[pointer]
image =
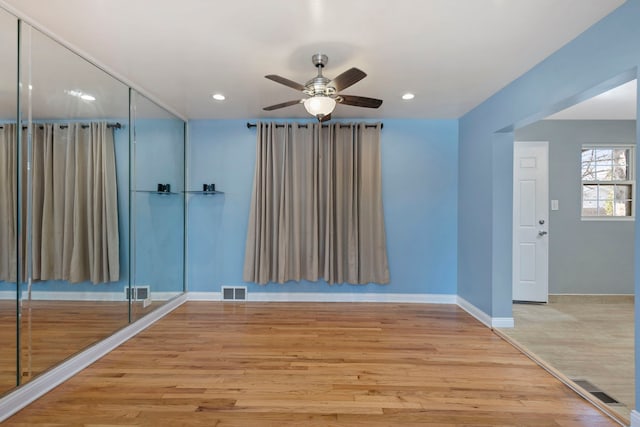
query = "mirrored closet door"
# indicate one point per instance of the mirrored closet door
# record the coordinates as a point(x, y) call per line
point(157, 211)
point(8, 201)
point(75, 203)
point(91, 204)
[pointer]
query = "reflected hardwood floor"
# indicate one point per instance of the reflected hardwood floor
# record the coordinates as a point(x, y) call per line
point(8, 352)
point(585, 338)
point(52, 331)
point(313, 364)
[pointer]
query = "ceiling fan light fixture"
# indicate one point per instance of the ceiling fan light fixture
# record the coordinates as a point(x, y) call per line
point(319, 105)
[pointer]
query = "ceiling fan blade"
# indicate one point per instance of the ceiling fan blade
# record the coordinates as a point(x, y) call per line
point(283, 104)
point(278, 79)
point(348, 78)
point(325, 118)
point(359, 101)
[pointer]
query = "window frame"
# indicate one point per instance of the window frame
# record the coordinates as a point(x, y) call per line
point(630, 181)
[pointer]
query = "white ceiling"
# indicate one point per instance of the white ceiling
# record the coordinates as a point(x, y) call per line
point(453, 54)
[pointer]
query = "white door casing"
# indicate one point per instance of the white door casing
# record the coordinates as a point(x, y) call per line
point(531, 222)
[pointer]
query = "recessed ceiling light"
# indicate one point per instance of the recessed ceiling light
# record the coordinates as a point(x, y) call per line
point(81, 95)
point(408, 96)
point(218, 97)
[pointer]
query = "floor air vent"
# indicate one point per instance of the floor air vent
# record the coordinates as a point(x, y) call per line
point(139, 293)
point(596, 392)
point(234, 293)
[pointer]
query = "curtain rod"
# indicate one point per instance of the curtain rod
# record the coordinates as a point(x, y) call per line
point(84, 126)
point(252, 125)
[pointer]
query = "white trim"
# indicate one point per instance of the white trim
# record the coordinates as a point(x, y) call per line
point(635, 418)
point(608, 218)
point(83, 296)
point(204, 296)
point(7, 295)
point(330, 297)
point(502, 322)
point(351, 297)
point(484, 318)
point(474, 311)
point(24, 395)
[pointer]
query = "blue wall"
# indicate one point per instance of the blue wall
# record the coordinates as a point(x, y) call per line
point(605, 55)
point(159, 226)
point(419, 174)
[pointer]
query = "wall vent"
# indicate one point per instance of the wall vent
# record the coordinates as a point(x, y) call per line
point(234, 293)
point(138, 293)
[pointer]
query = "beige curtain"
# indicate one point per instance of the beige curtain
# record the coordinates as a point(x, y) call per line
point(316, 208)
point(8, 202)
point(74, 204)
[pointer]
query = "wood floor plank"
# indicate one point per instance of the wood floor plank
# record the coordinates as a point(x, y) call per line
point(311, 364)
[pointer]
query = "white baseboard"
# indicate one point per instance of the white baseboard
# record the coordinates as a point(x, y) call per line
point(474, 311)
point(204, 296)
point(24, 395)
point(491, 322)
point(331, 297)
point(82, 296)
point(7, 295)
point(502, 322)
point(635, 418)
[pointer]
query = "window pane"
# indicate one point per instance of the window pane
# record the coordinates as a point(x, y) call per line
point(605, 208)
point(588, 155)
point(623, 208)
point(589, 208)
point(603, 155)
point(620, 157)
point(589, 192)
point(620, 173)
point(588, 171)
point(605, 192)
point(623, 192)
point(603, 172)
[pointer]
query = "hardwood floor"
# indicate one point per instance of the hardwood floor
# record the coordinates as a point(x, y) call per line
point(587, 338)
point(311, 364)
point(52, 331)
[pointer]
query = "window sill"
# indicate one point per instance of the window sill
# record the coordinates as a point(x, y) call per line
point(608, 218)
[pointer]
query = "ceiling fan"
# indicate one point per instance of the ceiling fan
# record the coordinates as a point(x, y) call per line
point(323, 92)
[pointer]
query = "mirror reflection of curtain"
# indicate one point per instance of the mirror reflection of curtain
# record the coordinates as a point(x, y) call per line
point(8, 202)
point(316, 208)
point(74, 204)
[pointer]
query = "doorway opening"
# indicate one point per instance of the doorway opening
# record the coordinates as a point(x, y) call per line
point(582, 325)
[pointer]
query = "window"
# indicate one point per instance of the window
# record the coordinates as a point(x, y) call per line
point(608, 181)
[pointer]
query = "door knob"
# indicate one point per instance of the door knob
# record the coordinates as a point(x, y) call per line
point(542, 233)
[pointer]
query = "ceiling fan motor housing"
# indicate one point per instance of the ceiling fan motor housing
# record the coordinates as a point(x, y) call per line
point(319, 86)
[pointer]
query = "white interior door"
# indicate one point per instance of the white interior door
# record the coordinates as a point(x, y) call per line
point(531, 222)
